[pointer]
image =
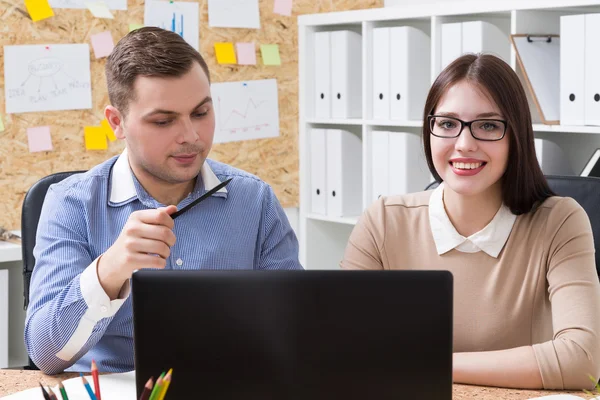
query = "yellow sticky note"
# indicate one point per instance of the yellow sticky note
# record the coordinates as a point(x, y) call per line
point(108, 130)
point(133, 27)
point(225, 53)
point(1, 125)
point(95, 138)
point(39, 9)
point(270, 54)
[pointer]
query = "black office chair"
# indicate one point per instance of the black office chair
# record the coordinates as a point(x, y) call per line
point(30, 215)
point(585, 190)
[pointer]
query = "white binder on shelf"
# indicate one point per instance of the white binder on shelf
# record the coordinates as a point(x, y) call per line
point(318, 168)
point(346, 74)
point(3, 318)
point(380, 166)
point(408, 167)
point(485, 37)
point(551, 158)
point(592, 71)
point(322, 75)
point(381, 73)
point(409, 81)
point(572, 70)
point(344, 174)
point(539, 59)
point(451, 42)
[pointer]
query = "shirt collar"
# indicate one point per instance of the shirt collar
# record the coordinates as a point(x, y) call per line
point(490, 239)
point(123, 186)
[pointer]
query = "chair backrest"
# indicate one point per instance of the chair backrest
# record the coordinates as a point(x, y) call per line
point(585, 190)
point(30, 215)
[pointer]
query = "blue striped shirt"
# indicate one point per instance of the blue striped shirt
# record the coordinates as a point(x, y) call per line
point(70, 319)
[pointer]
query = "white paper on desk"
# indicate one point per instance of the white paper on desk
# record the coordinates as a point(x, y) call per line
point(112, 387)
point(111, 4)
point(245, 110)
point(47, 77)
point(561, 397)
point(233, 14)
point(179, 17)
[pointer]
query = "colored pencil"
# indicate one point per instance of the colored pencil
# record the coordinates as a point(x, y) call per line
point(46, 395)
point(63, 391)
point(166, 383)
point(52, 394)
point(96, 380)
point(157, 387)
point(88, 387)
point(147, 389)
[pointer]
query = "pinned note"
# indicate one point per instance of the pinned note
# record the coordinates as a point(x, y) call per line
point(225, 53)
point(283, 7)
point(103, 44)
point(246, 53)
point(108, 130)
point(234, 14)
point(39, 139)
point(39, 9)
point(99, 9)
point(133, 27)
point(270, 54)
point(1, 125)
point(95, 138)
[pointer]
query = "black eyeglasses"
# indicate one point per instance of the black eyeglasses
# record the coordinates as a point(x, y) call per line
point(489, 130)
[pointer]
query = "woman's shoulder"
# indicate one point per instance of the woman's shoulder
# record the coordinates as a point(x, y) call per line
point(555, 210)
point(410, 200)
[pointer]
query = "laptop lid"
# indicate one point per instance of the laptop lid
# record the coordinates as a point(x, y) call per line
point(317, 335)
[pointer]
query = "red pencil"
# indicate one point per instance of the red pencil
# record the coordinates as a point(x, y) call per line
point(147, 390)
point(96, 380)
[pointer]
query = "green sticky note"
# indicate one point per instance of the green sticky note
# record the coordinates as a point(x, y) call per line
point(133, 27)
point(1, 125)
point(270, 54)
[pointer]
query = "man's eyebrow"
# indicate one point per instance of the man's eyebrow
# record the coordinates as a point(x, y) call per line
point(207, 99)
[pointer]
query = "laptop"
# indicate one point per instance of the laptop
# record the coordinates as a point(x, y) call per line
point(305, 335)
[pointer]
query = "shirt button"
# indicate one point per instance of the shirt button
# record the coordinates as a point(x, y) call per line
point(104, 309)
point(179, 262)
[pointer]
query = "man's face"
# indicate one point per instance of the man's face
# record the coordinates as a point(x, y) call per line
point(170, 126)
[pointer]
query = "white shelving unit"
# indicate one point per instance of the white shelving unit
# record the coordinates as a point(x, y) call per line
point(324, 238)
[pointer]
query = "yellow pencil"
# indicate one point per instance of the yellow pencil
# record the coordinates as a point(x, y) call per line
point(166, 383)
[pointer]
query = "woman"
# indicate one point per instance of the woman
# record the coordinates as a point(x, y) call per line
point(526, 292)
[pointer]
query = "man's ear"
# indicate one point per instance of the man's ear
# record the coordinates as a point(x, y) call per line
point(115, 120)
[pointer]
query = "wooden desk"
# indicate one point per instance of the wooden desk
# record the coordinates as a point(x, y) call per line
point(12, 381)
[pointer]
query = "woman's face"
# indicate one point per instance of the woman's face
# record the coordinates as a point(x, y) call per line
point(469, 166)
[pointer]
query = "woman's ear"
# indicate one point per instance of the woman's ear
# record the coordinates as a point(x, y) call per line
point(115, 120)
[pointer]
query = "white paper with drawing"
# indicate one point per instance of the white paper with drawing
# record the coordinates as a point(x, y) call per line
point(47, 77)
point(234, 14)
point(111, 4)
point(179, 17)
point(245, 110)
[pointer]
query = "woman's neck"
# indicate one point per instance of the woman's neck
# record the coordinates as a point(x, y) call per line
point(470, 214)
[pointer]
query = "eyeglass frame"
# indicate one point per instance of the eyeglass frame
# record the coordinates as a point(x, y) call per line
point(467, 124)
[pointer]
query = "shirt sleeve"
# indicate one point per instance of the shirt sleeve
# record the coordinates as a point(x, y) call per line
point(571, 360)
point(365, 246)
point(279, 245)
point(68, 310)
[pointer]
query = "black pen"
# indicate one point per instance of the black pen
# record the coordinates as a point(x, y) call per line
point(201, 198)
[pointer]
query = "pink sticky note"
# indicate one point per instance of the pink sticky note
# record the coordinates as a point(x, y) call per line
point(39, 139)
point(246, 53)
point(283, 7)
point(103, 44)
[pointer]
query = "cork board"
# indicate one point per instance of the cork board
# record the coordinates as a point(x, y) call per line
point(273, 160)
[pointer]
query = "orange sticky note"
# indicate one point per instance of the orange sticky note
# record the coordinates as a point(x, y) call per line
point(108, 130)
point(225, 53)
point(39, 9)
point(95, 138)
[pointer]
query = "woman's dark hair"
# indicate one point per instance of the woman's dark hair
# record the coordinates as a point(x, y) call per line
point(523, 183)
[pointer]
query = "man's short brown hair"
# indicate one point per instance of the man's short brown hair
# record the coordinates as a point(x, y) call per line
point(147, 51)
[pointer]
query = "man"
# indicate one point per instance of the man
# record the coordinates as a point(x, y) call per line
point(98, 227)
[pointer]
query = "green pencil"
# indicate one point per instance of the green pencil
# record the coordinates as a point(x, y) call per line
point(63, 392)
point(157, 387)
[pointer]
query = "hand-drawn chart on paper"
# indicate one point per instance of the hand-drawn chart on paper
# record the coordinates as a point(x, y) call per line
point(245, 110)
point(47, 77)
point(179, 17)
point(111, 4)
